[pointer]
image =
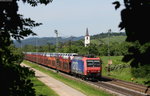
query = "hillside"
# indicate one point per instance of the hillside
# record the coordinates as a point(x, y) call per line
point(105, 35)
point(118, 39)
point(97, 39)
point(44, 40)
point(103, 38)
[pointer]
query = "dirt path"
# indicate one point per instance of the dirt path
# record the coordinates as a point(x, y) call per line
point(59, 87)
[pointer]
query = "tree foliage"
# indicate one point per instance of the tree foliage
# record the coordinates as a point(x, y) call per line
point(99, 49)
point(14, 78)
point(15, 81)
point(135, 19)
point(104, 35)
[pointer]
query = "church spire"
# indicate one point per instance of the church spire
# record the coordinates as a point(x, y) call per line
point(87, 32)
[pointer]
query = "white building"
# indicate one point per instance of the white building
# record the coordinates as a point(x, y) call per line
point(87, 38)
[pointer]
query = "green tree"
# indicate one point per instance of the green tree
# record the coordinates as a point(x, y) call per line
point(102, 50)
point(78, 43)
point(83, 50)
point(135, 19)
point(15, 79)
point(92, 49)
point(29, 48)
point(115, 49)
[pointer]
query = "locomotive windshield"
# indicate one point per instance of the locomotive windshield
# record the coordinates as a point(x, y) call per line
point(93, 63)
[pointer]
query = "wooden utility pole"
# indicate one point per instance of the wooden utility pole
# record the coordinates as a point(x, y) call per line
point(109, 61)
point(109, 43)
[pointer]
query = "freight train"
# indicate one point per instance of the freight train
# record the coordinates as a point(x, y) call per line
point(86, 67)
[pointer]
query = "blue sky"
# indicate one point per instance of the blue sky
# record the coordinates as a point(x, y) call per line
point(72, 17)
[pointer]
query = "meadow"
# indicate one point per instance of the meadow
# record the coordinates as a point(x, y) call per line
point(119, 69)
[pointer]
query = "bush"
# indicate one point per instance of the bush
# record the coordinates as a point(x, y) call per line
point(15, 81)
point(142, 72)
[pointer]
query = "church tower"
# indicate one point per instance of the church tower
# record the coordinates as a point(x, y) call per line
point(87, 38)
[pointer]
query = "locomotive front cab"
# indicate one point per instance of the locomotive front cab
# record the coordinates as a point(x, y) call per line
point(93, 68)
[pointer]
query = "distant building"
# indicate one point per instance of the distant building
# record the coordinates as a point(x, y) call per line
point(87, 38)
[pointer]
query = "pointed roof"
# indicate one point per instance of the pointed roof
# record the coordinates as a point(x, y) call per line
point(87, 32)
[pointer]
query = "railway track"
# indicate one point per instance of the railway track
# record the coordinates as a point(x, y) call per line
point(121, 88)
point(118, 87)
point(129, 85)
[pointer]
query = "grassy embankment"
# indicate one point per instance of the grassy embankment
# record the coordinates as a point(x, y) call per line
point(118, 39)
point(83, 87)
point(41, 89)
point(123, 73)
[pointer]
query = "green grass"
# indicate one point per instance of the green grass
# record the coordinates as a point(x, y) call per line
point(81, 86)
point(115, 39)
point(122, 74)
point(118, 39)
point(41, 89)
point(115, 60)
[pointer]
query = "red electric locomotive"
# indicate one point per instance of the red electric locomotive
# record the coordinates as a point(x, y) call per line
point(86, 67)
